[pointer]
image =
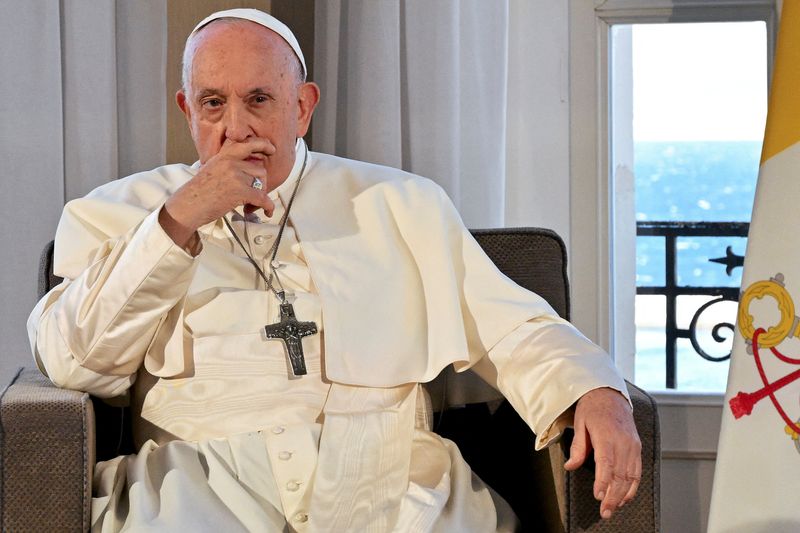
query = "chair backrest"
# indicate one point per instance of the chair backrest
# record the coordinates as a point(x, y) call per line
point(47, 280)
point(535, 258)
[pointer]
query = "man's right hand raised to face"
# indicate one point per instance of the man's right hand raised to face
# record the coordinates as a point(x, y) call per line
point(223, 183)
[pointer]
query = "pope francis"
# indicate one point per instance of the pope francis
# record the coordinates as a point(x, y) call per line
point(273, 311)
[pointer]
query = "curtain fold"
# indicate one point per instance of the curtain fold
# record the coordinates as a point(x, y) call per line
point(89, 81)
point(141, 44)
point(537, 152)
point(472, 94)
point(422, 86)
point(83, 103)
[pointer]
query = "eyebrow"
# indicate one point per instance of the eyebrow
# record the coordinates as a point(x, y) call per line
point(207, 92)
point(211, 92)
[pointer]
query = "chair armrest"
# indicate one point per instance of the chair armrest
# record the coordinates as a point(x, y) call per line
point(47, 453)
point(580, 512)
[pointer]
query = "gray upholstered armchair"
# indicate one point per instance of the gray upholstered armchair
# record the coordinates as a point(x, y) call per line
point(50, 438)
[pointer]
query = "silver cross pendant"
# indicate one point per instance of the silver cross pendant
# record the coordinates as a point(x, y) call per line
point(291, 331)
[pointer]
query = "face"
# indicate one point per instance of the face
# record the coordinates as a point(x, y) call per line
point(244, 84)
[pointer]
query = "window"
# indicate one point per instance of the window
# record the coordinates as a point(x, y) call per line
point(688, 106)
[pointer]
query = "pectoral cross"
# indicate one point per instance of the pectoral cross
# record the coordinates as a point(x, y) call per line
point(291, 331)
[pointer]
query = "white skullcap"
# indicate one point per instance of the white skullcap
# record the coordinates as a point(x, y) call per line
point(259, 17)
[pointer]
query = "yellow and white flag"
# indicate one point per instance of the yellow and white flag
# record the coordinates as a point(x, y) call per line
point(757, 476)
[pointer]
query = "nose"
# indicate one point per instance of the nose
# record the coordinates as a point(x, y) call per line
point(237, 127)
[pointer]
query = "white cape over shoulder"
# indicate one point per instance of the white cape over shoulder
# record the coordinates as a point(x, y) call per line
point(388, 254)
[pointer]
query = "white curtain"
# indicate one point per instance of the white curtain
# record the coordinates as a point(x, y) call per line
point(82, 85)
point(470, 93)
point(418, 85)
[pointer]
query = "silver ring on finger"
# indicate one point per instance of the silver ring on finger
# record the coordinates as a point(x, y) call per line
point(257, 184)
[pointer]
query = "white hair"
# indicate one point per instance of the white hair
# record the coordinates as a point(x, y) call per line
point(191, 47)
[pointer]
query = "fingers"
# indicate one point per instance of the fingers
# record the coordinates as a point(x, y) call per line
point(610, 487)
point(250, 146)
point(619, 470)
point(631, 492)
point(610, 430)
point(245, 172)
point(225, 182)
point(635, 473)
point(253, 169)
point(619, 483)
point(616, 481)
point(603, 486)
point(255, 198)
point(580, 447)
point(258, 199)
point(221, 185)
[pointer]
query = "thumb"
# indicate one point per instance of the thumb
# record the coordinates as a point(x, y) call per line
point(580, 448)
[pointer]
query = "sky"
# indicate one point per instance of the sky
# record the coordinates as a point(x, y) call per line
point(699, 81)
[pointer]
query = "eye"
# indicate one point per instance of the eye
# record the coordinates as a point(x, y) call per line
point(212, 103)
point(261, 99)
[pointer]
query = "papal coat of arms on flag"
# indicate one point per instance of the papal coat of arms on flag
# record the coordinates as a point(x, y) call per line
point(757, 474)
point(763, 342)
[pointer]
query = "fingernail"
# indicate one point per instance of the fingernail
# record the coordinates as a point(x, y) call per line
point(600, 495)
point(606, 513)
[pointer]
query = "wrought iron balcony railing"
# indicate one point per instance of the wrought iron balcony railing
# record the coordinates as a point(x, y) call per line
point(671, 232)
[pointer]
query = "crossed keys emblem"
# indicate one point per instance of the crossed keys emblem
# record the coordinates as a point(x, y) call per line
point(759, 338)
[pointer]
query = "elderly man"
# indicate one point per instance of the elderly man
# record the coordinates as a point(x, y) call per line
point(273, 311)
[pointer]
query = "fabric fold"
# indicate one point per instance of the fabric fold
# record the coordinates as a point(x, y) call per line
point(405, 241)
point(364, 457)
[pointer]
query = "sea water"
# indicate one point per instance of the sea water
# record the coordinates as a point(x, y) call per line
point(689, 181)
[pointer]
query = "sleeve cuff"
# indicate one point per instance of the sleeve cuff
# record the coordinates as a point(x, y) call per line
point(544, 367)
point(567, 419)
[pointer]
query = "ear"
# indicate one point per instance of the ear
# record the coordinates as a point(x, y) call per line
point(307, 99)
point(183, 103)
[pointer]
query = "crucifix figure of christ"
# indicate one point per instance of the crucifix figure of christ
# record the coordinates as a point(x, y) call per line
point(291, 331)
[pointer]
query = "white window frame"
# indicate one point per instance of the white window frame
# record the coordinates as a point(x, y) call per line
point(602, 270)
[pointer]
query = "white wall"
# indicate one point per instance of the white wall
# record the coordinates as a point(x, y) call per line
point(690, 428)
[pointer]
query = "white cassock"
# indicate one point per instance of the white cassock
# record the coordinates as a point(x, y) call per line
point(227, 440)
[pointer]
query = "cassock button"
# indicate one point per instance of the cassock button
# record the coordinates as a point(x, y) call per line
point(259, 239)
point(285, 456)
point(301, 517)
point(292, 486)
point(278, 430)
